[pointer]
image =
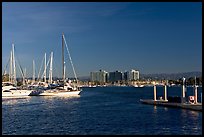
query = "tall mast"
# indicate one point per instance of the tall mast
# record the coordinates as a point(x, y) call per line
point(45, 69)
point(70, 60)
point(63, 74)
point(14, 65)
point(33, 71)
point(50, 72)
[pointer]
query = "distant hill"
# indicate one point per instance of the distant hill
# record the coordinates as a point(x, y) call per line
point(172, 76)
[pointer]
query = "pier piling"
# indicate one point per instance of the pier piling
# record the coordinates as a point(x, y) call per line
point(155, 93)
point(183, 92)
point(196, 94)
point(165, 93)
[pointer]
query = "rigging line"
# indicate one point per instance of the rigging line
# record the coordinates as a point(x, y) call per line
point(18, 61)
point(40, 68)
point(21, 70)
point(70, 59)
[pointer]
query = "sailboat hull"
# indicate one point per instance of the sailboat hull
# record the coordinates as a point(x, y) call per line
point(59, 93)
point(15, 93)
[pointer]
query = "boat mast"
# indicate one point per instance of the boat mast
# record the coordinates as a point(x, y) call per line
point(14, 65)
point(50, 72)
point(70, 59)
point(63, 69)
point(33, 71)
point(45, 69)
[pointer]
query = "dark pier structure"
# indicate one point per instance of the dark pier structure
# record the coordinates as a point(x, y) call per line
point(178, 102)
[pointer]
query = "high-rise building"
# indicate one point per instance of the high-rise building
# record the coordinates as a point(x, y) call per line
point(133, 75)
point(125, 76)
point(115, 76)
point(98, 76)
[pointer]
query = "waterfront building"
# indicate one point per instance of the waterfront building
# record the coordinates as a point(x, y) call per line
point(99, 76)
point(115, 76)
point(125, 76)
point(133, 75)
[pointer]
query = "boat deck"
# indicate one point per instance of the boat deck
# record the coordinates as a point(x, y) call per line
point(196, 107)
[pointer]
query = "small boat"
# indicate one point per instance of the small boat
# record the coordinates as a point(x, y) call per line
point(9, 91)
point(138, 86)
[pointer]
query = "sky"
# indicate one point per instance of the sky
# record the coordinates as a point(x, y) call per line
point(152, 37)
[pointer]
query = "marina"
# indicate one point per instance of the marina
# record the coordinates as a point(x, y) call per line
point(102, 68)
point(38, 88)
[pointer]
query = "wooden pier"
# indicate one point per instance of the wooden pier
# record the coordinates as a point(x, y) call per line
point(196, 107)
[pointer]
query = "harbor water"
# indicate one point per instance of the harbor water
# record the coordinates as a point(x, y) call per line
point(100, 111)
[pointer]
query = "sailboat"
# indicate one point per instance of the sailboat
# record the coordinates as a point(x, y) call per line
point(9, 88)
point(64, 88)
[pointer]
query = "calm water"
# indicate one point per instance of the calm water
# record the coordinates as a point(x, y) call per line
point(100, 111)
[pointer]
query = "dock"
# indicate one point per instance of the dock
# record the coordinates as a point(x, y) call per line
point(180, 102)
point(196, 107)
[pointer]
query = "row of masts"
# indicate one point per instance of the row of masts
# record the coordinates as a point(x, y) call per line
point(45, 68)
point(12, 71)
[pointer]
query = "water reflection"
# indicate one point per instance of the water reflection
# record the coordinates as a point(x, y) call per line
point(13, 101)
point(155, 109)
point(165, 108)
point(190, 114)
point(59, 97)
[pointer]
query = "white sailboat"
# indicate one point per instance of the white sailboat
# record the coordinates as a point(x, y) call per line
point(65, 88)
point(9, 89)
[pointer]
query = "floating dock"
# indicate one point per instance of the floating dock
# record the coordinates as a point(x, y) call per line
point(192, 104)
point(196, 107)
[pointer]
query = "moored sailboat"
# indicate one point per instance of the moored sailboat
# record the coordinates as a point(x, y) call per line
point(9, 88)
point(64, 88)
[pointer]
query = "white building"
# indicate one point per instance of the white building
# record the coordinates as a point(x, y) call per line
point(133, 75)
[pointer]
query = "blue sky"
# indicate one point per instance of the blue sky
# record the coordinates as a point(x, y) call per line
point(158, 37)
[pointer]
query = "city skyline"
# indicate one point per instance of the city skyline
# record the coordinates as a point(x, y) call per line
point(152, 37)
